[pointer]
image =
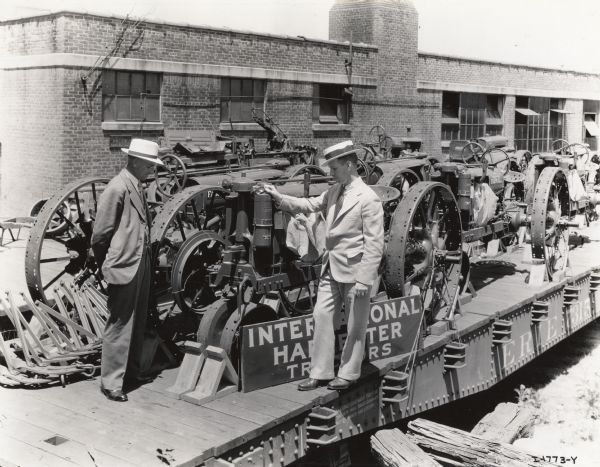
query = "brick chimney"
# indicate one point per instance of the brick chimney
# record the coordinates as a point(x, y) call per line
point(391, 25)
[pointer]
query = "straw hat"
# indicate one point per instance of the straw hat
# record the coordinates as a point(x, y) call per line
point(143, 149)
point(338, 150)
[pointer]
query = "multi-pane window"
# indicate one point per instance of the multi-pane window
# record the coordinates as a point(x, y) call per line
point(538, 122)
point(239, 96)
point(330, 104)
point(467, 116)
point(472, 116)
point(130, 96)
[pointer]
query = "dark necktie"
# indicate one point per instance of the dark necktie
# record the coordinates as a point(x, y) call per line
point(340, 201)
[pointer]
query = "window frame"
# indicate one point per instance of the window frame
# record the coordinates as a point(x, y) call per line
point(237, 108)
point(324, 111)
point(119, 86)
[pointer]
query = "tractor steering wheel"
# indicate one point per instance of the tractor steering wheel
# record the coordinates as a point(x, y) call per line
point(472, 151)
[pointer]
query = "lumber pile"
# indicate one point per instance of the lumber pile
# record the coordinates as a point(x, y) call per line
point(44, 345)
point(454, 447)
point(392, 448)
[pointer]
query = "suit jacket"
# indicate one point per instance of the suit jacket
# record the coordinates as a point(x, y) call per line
point(119, 229)
point(354, 238)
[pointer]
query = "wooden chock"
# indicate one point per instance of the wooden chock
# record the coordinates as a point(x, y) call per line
point(217, 377)
point(189, 371)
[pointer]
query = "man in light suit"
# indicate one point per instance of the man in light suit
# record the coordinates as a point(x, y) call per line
point(353, 250)
point(121, 246)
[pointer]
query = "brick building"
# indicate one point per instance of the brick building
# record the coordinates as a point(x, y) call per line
point(76, 87)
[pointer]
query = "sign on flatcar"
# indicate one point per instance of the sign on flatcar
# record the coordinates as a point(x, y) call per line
point(279, 351)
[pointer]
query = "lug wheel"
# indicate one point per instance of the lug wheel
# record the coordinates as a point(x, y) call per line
point(424, 247)
point(196, 209)
point(549, 221)
point(252, 313)
point(55, 252)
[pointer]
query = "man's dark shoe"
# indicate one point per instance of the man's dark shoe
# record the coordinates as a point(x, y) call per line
point(339, 384)
point(115, 395)
point(310, 384)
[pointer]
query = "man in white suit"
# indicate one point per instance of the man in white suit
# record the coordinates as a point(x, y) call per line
point(121, 245)
point(353, 250)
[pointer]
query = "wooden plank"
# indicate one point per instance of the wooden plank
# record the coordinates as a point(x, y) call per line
point(289, 391)
point(506, 423)
point(89, 401)
point(456, 447)
point(394, 449)
point(71, 452)
point(237, 409)
point(137, 446)
point(14, 452)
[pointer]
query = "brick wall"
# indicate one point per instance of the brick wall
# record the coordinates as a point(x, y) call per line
point(31, 135)
point(51, 124)
point(435, 68)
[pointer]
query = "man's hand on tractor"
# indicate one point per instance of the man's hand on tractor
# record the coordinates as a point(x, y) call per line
point(271, 190)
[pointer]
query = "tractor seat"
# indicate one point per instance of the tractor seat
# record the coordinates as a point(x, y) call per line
point(514, 177)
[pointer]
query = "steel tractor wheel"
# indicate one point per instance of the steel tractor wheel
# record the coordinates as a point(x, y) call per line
point(58, 247)
point(187, 226)
point(222, 322)
point(550, 221)
point(424, 248)
point(197, 256)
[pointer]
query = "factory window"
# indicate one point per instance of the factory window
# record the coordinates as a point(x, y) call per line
point(538, 122)
point(330, 104)
point(450, 111)
point(130, 96)
point(468, 116)
point(239, 96)
point(472, 115)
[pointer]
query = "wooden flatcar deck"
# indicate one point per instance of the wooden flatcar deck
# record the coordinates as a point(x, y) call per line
point(76, 425)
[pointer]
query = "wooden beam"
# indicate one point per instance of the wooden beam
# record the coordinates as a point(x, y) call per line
point(506, 423)
point(392, 448)
point(451, 446)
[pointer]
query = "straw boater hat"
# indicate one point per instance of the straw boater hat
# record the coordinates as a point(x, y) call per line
point(338, 150)
point(143, 149)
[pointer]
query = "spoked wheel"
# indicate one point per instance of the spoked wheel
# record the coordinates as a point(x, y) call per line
point(364, 171)
point(251, 313)
point(497, 159)
point(172, 178)
point(378, 137)
point(549, 221)
point(198, 255)
point(54, 254)
point(472, 152)
point(425, 247)
point(195, 209)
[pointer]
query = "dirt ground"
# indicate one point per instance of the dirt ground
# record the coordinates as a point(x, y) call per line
point(569, 415)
